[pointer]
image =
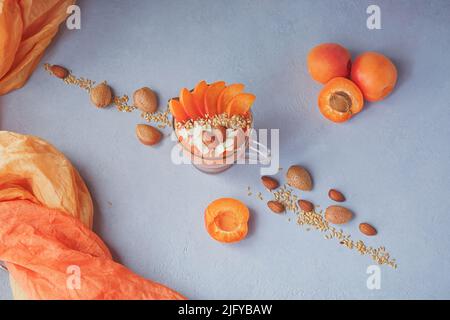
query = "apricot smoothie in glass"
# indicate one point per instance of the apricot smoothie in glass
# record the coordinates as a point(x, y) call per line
point(212, 124)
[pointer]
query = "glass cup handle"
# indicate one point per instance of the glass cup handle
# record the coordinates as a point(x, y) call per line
point(258, 153)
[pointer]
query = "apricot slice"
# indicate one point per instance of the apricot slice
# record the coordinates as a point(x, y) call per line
point(226, 220)
point(229, 93)
point(340, 99)
point(327, 61)
point(212, 96)
point(240, 104)
point(375, 75)
point(187, 101)
point(177, 110)
point(199, 97)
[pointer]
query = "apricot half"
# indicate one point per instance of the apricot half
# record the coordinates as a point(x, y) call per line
point(375, 75)
point(226, 220)
point(327, 61)
point(340, 99)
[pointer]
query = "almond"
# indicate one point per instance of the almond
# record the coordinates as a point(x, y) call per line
point(276, 206)
point(367, 229)
point(59, 72)
point(212, 138)
point(336, 195)
point(298, 177)
point(208, 138)
point(145, 100)
point(220, 133)
point(306, 205)
point(269, 182)
point(148, 135)
point(338, 215)
point(101, 95)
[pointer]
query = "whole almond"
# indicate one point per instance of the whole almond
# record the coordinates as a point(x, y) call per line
point(269, 182)
point(276, 206)
point(338, 215)
point(367, 229)
point(306, 205)
point(220, 132)
point(298, 177)
point(336, 195)
point(59, 72)
point(148, 135)
point(145, 99)
point(101, 95)
point(209, 139)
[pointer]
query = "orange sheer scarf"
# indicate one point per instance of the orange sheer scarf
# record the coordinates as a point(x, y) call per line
point(26, 29)
point(45, 219)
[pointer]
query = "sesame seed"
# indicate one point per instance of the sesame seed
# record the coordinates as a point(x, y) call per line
point(316, 220)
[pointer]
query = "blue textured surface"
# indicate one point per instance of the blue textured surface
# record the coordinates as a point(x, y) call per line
point(392, 160)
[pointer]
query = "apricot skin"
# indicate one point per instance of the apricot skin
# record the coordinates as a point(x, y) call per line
point(327, 61)
point(375, 75)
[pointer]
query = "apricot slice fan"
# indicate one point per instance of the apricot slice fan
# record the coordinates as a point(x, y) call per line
point(206, 102)
point(340, 99)
point(226, 220)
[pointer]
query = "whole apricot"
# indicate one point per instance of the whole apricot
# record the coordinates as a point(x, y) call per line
point(327, 61)
point(375, 75)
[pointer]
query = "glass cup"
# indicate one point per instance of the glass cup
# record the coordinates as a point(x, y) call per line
point(219, 152)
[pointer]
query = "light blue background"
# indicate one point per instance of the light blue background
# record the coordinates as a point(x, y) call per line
point(392, 160)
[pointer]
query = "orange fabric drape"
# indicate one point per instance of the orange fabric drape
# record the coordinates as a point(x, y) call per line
point(45, 219)
point(26, 29)
point(42, 246)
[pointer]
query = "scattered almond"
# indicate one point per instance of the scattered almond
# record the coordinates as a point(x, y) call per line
point(220, 133)
point(276, 206)
point(59, 72)
point(101, 95)
point(212, 138)
point(145, 100)
point(336, 195)
point(208, 138)
point(269, 182)
point(306, 205)
point(298, 177)
point(367, 229)
point(148, 135)
point(338, 215)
